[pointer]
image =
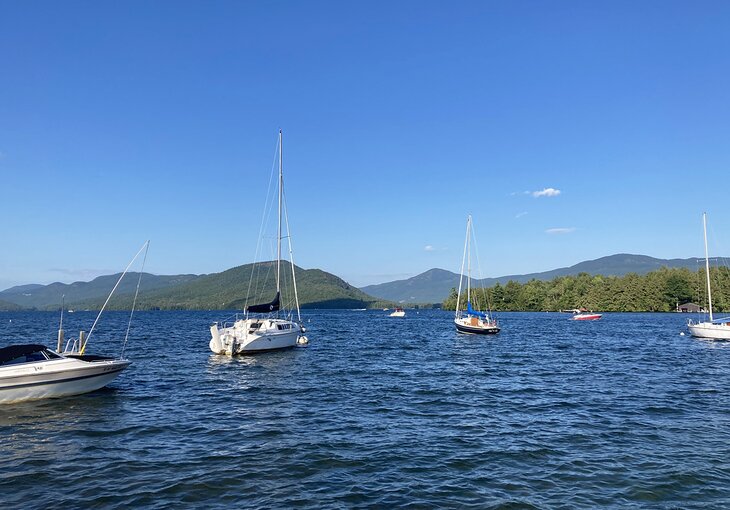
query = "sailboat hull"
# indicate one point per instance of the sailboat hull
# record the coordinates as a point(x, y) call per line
point(710, 330)
point(481, 328)
point(252, 336)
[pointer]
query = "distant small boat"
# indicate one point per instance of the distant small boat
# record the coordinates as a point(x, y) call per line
point(584, 315)
point(715, 329)
point(398, 312)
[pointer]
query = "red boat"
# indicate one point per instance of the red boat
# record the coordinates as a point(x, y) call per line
point(585, 315)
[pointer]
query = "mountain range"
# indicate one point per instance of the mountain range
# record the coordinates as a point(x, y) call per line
point(434, 285)
point(224, 290)
point(317, 288)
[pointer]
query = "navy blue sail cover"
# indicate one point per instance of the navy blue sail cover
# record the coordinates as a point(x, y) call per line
point(473, 312)
point(266, 307)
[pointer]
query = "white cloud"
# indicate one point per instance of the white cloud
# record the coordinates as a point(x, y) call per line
point(547, 192)
point(83, 274)
point(561, 230)
point(428, 247)
point(520, 215)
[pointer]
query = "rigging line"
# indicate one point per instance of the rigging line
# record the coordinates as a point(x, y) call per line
point(264, 216)
point(134, 301)
point(291, 258)
point(83, 347)
point(485, 294)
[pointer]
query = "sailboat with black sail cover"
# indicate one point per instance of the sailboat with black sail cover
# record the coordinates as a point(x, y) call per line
point(717, 329)
point(266, 326)
point(470, 320)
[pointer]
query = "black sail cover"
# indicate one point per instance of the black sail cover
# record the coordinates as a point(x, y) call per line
point(266, 307)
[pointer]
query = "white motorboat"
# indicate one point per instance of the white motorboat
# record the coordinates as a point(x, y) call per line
point(268, 326)
point(715, 329)
point(398, 312)
point(32, 372)
point(469, 320)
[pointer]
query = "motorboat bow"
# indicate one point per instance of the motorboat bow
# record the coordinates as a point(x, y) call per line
point(33, 371)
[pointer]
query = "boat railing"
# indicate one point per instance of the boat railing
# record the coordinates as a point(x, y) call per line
point(231, 320)
point(72, 345)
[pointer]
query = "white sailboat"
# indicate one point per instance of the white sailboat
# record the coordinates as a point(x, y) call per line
point(264, 327)
point(469, 320)
point(718, 329)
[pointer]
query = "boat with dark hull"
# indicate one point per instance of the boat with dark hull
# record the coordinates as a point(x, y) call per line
point(480, 328)
point(471, 321)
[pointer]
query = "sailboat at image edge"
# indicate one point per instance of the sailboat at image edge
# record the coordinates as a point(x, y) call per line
point(262, 329)
point(717, 329)
point(469, 320)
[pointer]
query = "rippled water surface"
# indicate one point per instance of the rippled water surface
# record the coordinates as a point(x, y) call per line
point(380, 412)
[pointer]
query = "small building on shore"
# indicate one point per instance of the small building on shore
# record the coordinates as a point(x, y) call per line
point(690, 308)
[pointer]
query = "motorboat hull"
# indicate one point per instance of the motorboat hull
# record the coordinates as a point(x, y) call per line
point(58, 378)
point(480, 329)
point(587, 317)
point(397, 314)
point(241, 338)
point(714, 331)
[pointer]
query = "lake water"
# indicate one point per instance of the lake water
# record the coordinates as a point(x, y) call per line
point(380, 412)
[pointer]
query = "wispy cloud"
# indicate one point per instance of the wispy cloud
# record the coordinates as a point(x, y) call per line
point(561, 230)
point(547, 192)
point(82, 274)
point(429, 247)
point(520, 215)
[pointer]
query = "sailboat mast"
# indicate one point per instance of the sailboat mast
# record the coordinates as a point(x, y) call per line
point(461, 273)
point(468, 260)
point(278, 236)
point(707, 264)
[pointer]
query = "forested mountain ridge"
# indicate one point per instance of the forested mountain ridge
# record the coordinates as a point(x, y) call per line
point(434, 285)
point(225, 290)
point(44, 296)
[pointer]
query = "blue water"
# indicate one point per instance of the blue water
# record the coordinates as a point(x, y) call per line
point(381, 412)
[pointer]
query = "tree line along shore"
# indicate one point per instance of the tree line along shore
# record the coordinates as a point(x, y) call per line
point(658, 291)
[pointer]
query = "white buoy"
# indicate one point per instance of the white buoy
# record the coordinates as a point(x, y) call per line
point(302, 341)
point(682, 333)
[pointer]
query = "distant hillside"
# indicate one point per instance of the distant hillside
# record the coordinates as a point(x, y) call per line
point(225, 290)
point(228, 290)
point(9, 307)
point(430, 287)
point(435, 284)
point(45, 296)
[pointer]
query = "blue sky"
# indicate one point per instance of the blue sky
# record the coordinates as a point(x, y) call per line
point(127, 121)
